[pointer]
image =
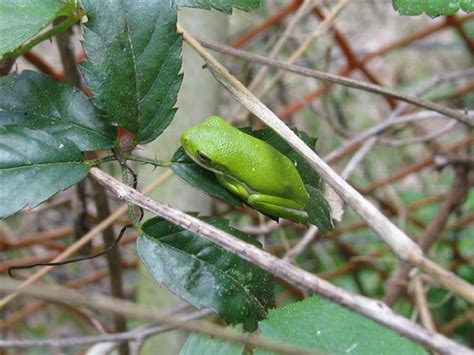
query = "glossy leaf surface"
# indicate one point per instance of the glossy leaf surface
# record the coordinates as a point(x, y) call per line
point(34, 100)
point(201, 344)
point(204, 274)
point(133, 63)
point(22, 19)
point(34, 166)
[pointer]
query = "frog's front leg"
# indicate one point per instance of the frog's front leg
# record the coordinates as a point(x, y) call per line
point(234, 186)
point(279, 207)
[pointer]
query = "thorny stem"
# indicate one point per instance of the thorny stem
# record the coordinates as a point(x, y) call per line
point(131, 210)
point(69, 22)
point(94, 162)
point(150, 161)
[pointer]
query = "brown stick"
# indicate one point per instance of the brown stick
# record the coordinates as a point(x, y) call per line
point(271, 21)
point(295, 106)
point(34, 307)
point(414, 167)
point(114, 259)
point(352, 59)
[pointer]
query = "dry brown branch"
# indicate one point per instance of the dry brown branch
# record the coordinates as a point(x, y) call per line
point(130, 310)
point(323, 27)
point(33, 307)
point(337, 79)
point(422, 304)
point(85, 239)
point(464, 180)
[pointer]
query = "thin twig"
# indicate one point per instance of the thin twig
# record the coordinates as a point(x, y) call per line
point(427, 137)
point(396, 284)
point(303, 10)
point(352, 83)
point(113, 257)
point(323, 27)
point(273, 20)
point(33, 307)
point(415, 166)
point(422, 304)
point(132, 335)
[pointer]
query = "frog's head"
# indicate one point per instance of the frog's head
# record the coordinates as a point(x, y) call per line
point(201, 143)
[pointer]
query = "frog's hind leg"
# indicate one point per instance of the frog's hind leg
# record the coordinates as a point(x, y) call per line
point(278, 207)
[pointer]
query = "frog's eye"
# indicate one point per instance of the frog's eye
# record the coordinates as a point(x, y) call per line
point(203, 158)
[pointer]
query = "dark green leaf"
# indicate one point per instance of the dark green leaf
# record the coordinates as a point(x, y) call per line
point(34, 166)
point(200, 178)
point(221, 5)
point(34, 100)
point(432, 7)
point(134, 58)
point(204, 274)
point(319, 212)
point(22, 19)
point(200, 344)
point(325, 326)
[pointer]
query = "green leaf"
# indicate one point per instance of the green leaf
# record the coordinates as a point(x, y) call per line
point(319, 212)
point(34, 166)
point(432, 8)
point(221, 5)
point(134, 58)
point(467, 5)
point(197, 344)
point(204, 274)
point(34, 100)
point(22, 19)
point(196, 176)
point(325, 326)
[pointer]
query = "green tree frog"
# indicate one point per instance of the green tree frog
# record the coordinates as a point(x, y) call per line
point(249, 168)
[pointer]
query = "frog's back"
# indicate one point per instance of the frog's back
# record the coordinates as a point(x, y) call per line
point(253, 161)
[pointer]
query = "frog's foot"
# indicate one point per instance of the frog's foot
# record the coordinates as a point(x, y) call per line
point(278, 207)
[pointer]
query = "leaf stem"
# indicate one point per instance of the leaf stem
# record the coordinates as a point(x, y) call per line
point(93, 162)
point(76, 15)
point(145, 160)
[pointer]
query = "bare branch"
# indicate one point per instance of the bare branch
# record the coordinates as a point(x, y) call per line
point(132, 335)
point(355, 84)
point(81, 242)
point(131, 310)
